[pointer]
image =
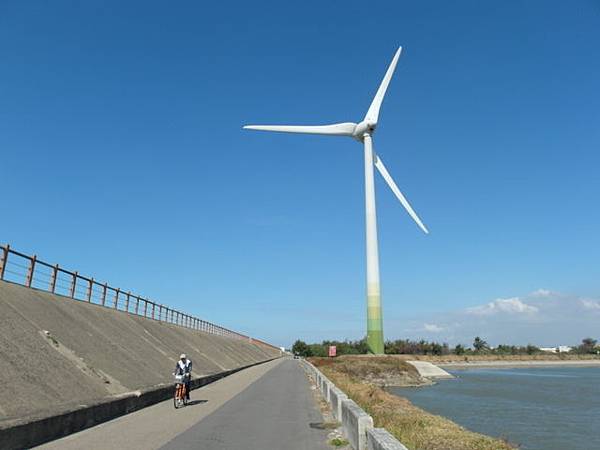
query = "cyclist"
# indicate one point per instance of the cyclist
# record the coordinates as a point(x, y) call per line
point(184, 367)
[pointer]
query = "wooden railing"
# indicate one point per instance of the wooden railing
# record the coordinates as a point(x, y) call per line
point(31, 272)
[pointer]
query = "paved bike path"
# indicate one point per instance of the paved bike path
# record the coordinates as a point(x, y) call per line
point(269, 406)
point(273, 413)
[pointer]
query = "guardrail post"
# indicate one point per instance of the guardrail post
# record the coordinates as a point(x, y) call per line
point(4, 261)
point(53, 278)
point(160, 310)
point(145, 308)
point(89, 291)
point(116, 299)
point(104, 288)
point(153, 306)
point(73, 284)
point(29, 278)
point(137, 305)
point(127, 301)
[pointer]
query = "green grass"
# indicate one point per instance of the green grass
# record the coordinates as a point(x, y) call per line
point(338, 442)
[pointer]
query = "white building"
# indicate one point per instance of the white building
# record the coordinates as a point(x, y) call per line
point(559, 349)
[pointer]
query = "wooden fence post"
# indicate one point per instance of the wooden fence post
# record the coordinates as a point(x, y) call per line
point(30, 271)
point(4, 261)
point(73, 284)
point(89, 291)
point(53, 278)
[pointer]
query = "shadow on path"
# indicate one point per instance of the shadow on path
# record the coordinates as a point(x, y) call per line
point(195, 402)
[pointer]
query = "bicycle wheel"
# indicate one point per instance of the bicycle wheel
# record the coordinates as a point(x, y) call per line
point(177, 397)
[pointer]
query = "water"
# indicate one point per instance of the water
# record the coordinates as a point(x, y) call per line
point(538, 408)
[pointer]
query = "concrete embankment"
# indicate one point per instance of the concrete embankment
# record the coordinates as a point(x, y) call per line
point(430, 371)
point(58, 355)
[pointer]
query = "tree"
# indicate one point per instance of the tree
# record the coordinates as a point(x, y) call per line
point(587, 345)
point(300, 348)
point(479, 344)
point(532, 349)
point(459, 349)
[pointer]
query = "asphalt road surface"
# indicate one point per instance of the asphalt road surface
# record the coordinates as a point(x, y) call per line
point(270, 406)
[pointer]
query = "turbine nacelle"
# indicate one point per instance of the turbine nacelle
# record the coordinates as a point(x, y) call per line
point(362, 128)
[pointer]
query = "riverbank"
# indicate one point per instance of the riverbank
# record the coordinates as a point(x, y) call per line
point(516, 364)
point(543, 358)
point(363, 378)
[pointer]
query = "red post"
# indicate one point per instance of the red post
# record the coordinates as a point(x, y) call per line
point(89, 291)
point(4, 261)
point(116, 300)
point(53, 278)
point(73, 284)
point(30, 271)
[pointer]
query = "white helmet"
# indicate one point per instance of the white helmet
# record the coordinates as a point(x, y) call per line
point(182, 356)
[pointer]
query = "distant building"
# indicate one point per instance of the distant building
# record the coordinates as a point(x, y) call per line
point(559, 349)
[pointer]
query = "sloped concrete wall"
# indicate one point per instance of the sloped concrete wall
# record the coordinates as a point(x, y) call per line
point(57, 354)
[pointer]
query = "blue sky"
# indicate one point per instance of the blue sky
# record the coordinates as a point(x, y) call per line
point(122, 156)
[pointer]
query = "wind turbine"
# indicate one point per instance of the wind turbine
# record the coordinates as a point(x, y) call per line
point(363, 132)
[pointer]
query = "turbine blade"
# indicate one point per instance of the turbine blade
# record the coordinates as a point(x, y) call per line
point(373, 112)
point(336, 129)
point(389, 180)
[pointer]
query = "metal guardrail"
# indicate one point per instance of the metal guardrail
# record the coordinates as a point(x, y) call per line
point(31, 272)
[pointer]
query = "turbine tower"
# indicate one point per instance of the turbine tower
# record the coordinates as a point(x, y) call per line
point(363, 132)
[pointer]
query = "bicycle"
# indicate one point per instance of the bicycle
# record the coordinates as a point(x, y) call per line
point(179, 399)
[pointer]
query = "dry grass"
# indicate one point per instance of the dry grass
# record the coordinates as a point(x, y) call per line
point(367, 369)
point(414, 427)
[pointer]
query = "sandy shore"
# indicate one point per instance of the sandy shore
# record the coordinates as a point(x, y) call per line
point(507, 364)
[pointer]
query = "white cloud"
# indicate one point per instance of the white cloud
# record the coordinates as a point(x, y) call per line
point(433, 328)
point(503, 305)
point(558, 318)
point(542, 293)
point(590, 304)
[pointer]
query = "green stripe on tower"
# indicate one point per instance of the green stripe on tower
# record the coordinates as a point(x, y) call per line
point(374, 322)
